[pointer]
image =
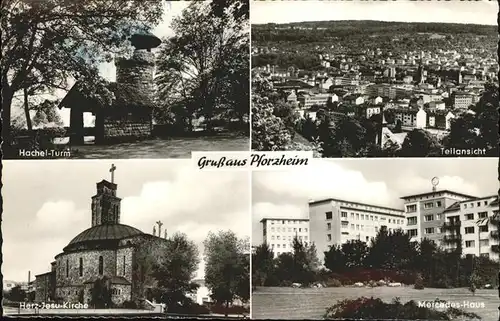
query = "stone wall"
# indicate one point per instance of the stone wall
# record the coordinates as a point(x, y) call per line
point(44, 287)
point(71, 294)
point(126, 128)
point(137, 71)
point(124, 263)
point(90, 267)
point(120, 293)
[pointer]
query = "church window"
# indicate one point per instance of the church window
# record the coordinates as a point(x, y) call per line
point(81, 266)
point(124, 265)
point(67, 267)
point(101, 265)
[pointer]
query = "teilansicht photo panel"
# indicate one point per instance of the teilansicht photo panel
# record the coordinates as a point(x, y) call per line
point(375, 78)
point(406, 239)
point(99, 80)
point(124, 239)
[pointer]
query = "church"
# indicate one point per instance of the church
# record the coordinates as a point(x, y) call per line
point(105, 250)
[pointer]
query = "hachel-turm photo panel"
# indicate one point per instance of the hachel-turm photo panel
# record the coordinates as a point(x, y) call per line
point(375, 78)
point(124, 239)
point(344, 239)
point(95, 79)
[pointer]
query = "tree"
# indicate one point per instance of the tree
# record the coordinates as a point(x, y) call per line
point(391, 250)
point(45, 43)
point(226, 267)
point(420, 143)
point(269, 132)
point(178, 263)
point(478, 130)
point(262, 265)
point(305, 262)
point(205, 65)
point(334, 259)
point(17, 294)
point(473, 281)
point(355, 253)
point(146, 261)
point(100, 294)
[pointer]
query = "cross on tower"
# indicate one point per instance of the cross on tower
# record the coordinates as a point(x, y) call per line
point(159, 227)
point(112, 171)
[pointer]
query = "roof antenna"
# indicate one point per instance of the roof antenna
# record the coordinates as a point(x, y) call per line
point(434, 182)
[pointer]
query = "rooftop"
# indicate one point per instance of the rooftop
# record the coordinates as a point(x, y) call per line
point(440, 191)
point(283, 219)
point(357, 203)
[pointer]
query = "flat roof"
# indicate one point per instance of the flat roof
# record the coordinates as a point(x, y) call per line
point(283, 219)
point(364, 204)
point(440, 191)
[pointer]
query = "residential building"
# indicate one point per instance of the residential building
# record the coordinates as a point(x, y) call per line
point(440, 119)
point(335, 221)
point(473, 224)
point(279, 233)
point(306, 100)
point(411, 117)
point(461, 100)
point(424, 213)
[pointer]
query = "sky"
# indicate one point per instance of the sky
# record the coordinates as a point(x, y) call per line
point(478, 12)
point(47, 204)
point(382, 182)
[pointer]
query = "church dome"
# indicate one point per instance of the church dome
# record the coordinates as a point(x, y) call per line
point(102, 233)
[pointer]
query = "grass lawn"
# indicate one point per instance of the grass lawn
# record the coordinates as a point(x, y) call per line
point(291, 303)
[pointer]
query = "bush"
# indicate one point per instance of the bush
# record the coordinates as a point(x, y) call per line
point(370, 308)
point(191, 308)
point(419, 282)
point(333, 283)
point(234, 309)
point(129, 305)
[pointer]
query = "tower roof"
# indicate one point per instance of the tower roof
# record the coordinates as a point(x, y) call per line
point(145, 40)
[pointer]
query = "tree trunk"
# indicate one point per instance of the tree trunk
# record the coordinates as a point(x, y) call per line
point(27, 111)
point(226, 313)
point(6, 115)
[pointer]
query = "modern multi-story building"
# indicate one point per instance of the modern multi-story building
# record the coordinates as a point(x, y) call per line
point(474, 225)
point(424, 213)
point(334, 222)
point(411, 117)
point(279, 233)
point(306, 100)
point(461, 100)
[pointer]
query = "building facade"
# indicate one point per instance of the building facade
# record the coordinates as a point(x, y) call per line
point(334, 222)
point(279, 233)
point(474, 225)
point(424, 213)
point(105, 251)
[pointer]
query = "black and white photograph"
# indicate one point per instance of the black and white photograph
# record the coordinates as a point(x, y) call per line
point(415, 239)
point(130, 238)
point(375, 78)
point(124, 79)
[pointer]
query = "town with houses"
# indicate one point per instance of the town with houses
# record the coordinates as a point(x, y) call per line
point(420, 89)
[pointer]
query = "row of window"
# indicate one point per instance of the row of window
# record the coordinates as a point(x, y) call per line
point(285, 222)
point(283, 246)
point(114, 291)
point(329, 237)
point(477, 203)
point(365, 217)
point(290, 229)
point(289, 237)
point(100, 266)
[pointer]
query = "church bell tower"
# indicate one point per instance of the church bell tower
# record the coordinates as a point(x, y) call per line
point(105, 204)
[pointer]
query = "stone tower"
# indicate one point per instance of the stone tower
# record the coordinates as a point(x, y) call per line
point(105, 204)
point(138, 71)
